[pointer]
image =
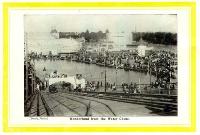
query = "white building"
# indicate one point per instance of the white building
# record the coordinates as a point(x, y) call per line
point(143, 50)
point(46, 42)
point(118, 40)
point(70, 79)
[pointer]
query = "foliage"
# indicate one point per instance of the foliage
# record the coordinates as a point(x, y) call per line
point(166, 38)
point(93, 36)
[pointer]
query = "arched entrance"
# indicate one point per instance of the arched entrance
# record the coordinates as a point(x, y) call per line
point(61, 86)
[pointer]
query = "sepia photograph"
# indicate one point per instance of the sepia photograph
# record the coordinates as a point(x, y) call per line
point(100, 65)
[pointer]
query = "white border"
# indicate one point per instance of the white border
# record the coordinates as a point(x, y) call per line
point(16, 114)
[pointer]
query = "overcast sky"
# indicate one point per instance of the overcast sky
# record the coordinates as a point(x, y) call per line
point(94, 23)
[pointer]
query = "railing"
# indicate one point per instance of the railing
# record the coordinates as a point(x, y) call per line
point(171, 89)
point(163, 104)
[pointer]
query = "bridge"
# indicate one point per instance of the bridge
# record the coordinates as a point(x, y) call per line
point(71, 79)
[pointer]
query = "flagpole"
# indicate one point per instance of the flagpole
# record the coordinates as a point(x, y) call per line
point(116, 78)
point(105, 59)
point(105, 73)
point(105, 62)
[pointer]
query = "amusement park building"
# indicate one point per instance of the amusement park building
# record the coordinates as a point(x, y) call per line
point(46, 42)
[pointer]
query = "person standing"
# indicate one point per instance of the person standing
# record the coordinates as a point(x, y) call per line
point(38, 87)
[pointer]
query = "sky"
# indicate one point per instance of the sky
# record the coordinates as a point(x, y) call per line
point(101, 22)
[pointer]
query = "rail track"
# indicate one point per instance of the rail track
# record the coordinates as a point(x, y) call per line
point(160, 104)
point(107, 106)
point(89, 107)
point(28, 105)
point(69, 108)
point(91, 104)
point(36, 106)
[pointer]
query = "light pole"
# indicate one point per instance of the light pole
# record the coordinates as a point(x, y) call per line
point(150, 73)
point(105, 73)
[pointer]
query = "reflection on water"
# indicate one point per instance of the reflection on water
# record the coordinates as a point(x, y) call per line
point(91, 72)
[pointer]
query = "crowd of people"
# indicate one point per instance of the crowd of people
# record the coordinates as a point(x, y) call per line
point(157, 62)
point(161, 64)
point(128, 87)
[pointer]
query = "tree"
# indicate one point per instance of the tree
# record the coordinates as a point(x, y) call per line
point(93, 37)
point(107, 31)
point(166, 38)
point(50, 54)
point(100, 35)
point(87, 36)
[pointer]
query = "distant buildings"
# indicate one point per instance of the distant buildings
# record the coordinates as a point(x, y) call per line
point(46, 42)
point(114, 42)
point(63, 43)
point(119, 40)
point(143, 49)
point(57, 34)
point(54, 33)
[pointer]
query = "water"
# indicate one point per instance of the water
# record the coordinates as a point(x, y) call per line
point(44, 42)
point(91, 72)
